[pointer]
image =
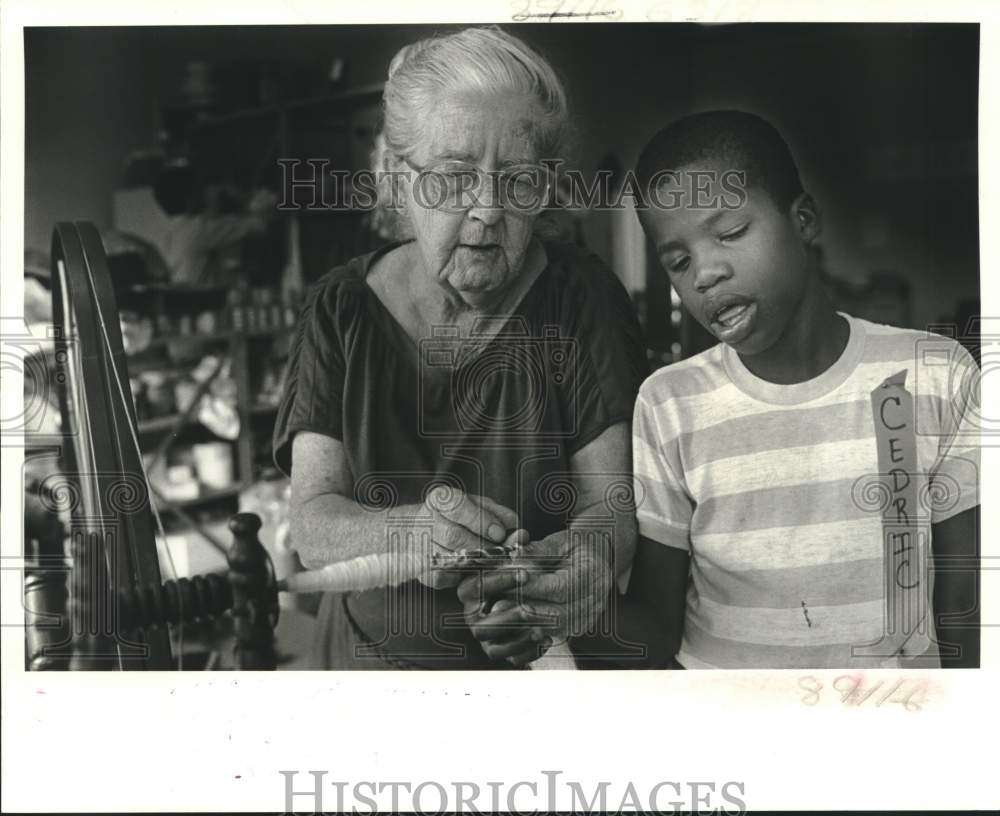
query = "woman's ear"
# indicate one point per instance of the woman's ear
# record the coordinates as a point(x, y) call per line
point(806, 217)
point(392, 192)
point(392, 218)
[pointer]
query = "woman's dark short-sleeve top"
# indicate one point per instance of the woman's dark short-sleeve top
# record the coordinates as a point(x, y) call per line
point(504, 422)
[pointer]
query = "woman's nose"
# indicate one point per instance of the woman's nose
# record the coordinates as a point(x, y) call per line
point(486, 205)
point(711, 272)
point(487, 210)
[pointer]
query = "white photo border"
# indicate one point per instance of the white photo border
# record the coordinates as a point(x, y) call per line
point(200, 741)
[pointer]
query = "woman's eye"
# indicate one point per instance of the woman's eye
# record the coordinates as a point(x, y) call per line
point(739, 232)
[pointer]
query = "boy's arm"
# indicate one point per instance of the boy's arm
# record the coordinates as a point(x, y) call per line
point(955, 525)
point(653, 609)
point(652, 612)
point(955, 543)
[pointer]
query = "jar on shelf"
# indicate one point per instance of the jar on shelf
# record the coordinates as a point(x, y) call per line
point(137, 331)
point(206, 322)
point(164, 325)
point(213, 462)
point(185, 390)
point(159, 394)
point(237, 310)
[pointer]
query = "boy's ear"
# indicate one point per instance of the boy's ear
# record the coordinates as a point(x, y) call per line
point(806, 217)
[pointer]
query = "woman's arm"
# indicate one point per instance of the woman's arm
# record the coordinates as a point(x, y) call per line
point(328, 526)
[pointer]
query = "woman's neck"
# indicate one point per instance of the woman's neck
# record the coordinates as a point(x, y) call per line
point(419, 303)
point(812, 342)
point(439, 304)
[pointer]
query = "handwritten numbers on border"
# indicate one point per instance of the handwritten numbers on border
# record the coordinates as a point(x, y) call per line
point(551, 10)
point(856, 690)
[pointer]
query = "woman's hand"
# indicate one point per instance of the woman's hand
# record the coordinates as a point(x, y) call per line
point(553, 589)
point(466, 529)
point(495, 618)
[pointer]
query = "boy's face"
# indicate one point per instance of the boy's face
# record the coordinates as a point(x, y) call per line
point(739, 268)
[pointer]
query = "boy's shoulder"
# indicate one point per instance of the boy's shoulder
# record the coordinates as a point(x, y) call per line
point(697, 374)
point(924, 353)
point(882, 334)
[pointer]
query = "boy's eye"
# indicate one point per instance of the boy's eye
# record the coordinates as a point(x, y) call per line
point(679, 264)
point(739, 232)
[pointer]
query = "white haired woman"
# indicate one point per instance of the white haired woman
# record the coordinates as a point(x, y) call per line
point(467, 387)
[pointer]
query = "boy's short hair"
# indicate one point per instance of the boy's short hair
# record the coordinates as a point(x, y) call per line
point(735, 139)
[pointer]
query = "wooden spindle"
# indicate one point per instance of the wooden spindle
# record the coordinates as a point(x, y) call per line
point(255, 595)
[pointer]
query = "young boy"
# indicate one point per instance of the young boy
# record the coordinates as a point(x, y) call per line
point(796, 481)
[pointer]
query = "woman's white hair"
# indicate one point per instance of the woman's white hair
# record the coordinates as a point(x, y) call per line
point(475, 59)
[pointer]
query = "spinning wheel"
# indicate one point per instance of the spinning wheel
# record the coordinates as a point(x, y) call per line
point(119, 606)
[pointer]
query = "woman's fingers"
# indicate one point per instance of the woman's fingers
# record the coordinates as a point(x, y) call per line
point(552, 587)
point(517, 540)
point(486, 586)
point(462, 510)
point(529, 642)
point(509, 614)
point(457, 539)
point(520, 650)
point(510, 631)
point(534, 650)
point(465, 511)
point(503, 625)
point(543, 554)
point(506, 516)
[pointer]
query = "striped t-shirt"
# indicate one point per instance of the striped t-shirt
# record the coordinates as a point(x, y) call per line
point(786, 497)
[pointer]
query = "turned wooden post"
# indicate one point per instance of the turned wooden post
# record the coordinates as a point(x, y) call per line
point(255, 595)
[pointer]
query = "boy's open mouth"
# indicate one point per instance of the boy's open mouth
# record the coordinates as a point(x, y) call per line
point(732, 318)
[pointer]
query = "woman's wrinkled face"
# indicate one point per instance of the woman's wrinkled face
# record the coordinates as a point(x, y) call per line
point(476, 252)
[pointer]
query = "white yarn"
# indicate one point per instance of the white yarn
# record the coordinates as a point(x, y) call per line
point(358, 574)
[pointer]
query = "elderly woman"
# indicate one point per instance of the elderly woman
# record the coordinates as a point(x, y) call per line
point(468, 387)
